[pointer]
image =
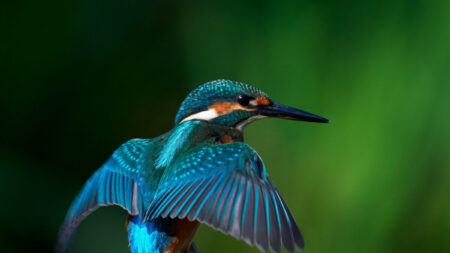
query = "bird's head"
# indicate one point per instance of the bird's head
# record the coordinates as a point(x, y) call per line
point(235, 104)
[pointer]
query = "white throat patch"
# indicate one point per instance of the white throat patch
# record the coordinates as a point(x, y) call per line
point(203, 115)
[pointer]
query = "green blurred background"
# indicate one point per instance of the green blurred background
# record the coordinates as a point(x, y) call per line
point(81, 77)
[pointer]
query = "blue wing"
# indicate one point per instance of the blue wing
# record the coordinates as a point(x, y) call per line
point(226, 187)
point(125, 180)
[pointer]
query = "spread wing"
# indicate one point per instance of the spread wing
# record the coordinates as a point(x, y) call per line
point(123, 181)
point(226, 187)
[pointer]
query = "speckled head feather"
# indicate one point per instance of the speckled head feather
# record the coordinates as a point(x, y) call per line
point(200, 99)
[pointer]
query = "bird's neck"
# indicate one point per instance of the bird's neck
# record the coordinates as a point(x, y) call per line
point(200, 131)
point(192, 133)
point(225, 134)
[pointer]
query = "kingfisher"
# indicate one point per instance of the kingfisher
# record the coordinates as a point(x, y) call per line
point(200, 172)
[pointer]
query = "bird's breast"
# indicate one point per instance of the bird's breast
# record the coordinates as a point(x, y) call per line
point(226, 138)
point(230, 136)
point(184, 232)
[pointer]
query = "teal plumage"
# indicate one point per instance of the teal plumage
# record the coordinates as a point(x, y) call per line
point(179, 139)
point(146, 235)
point(199, 172)
point(215, 91)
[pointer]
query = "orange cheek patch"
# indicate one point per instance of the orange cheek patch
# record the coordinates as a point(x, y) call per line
point(223, 108)
point(262, 101)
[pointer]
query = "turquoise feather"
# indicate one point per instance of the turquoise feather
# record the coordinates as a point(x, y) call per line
point(146, 237)
point(190, 173)
point(178, 140)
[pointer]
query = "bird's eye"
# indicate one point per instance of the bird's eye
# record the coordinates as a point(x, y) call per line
point(244, 100)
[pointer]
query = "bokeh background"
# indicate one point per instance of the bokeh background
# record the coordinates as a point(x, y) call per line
point(81, 77)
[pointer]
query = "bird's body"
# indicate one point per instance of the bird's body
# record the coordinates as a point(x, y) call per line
point(199, 172)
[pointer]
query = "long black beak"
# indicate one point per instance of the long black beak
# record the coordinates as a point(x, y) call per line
point(277, 110)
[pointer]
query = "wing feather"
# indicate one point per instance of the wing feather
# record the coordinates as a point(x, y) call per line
point(286, 228)
point(115, 183)
point(261, 233)
point(200, 199)
point(176, 210)
point(296, 234)
point(226, 216)
point(249, 211)
point(196, 195)
point(226, 187)
point(237, 209)
point(167, 201)
point(275, 226)
point(218, 204)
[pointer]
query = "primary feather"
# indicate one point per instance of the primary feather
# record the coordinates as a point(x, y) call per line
point(127, 179)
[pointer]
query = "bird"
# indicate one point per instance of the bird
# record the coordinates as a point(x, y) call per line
point(200, 172)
